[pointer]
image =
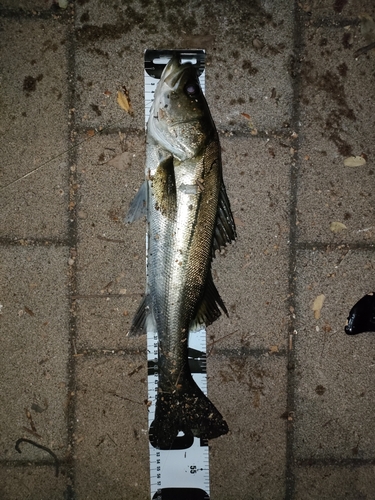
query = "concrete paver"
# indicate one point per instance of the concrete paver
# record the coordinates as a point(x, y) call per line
point(112, 424)
point(336, 122)
point(256, 173)
point(240, 77)
point(34, 129)
point(110, 251)
point(249, 393)
point(31, 482)
point(328, 481)
point(334, 392)
point(34, 354)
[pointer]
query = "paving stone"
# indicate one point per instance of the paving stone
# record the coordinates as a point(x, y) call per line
point(252, 275)
point(34, 129)
point(31, 483)
point(334, 483)
point(111, 254)
point(337, 108)
point(34, 353)
point(111, 432)
point(240, 77)
point(103, 324)
point(249, 462)
point(334, 371)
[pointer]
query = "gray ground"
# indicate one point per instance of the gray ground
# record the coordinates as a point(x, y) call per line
point(291, 102)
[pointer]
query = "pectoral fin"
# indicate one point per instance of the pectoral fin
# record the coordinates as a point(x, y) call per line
point(138, 206)
point(142, 318)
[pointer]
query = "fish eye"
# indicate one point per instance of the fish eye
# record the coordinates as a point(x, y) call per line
point(191, 89)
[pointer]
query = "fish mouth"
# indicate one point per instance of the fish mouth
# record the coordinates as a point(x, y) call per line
point(174, 71)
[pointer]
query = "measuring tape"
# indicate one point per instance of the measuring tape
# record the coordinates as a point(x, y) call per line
point(181, 472)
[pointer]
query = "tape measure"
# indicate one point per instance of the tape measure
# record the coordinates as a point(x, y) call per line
point(183, 471)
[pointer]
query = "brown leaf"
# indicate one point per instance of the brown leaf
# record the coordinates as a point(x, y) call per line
point(121, 161)
point(123, 101)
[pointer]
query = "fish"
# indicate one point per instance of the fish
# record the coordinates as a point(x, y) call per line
point(188, 219)
point(362, 316)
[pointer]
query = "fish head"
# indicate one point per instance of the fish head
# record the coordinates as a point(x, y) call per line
point(180, 120)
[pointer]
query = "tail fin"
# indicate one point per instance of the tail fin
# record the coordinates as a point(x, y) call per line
point(188, 410)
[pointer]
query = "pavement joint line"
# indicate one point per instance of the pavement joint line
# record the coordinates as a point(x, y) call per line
point(334, 462)
point(278, 133)
point(54, 13)
point(295, 62)
point(243, 352)
point(73, 241)
point(88, 354)
point(246, 352)
point(318, 246)
point(328, 22)
point(37, 242)
point(27, 464)
point(106, 296)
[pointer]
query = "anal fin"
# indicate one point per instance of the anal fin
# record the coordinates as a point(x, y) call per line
point(211, 305)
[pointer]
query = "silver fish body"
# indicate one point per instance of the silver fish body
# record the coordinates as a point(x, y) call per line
point(189, 217)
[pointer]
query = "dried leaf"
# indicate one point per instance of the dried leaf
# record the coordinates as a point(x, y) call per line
point(317, 305)
point(337, 227)
point(123, 101)
point(121, 161)
point(354, 161)
point(246, 116)
point(90, 133)
point(274, 348)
